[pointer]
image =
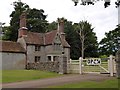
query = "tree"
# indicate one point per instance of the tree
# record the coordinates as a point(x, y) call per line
point(12, 31)
point(88, 38)
point(74, 41)
point(52, 26)
point(109, 44)
point(35, 20)
point(92, 2)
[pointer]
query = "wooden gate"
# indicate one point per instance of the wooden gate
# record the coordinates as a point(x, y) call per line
point(93, 65)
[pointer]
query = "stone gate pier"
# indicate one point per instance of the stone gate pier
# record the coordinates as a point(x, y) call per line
point(118, 64)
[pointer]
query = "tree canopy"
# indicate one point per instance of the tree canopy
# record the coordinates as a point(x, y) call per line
point(73, 38)
point(88, 39)
point(110, 43)
point(92, 2)
point(35, 20)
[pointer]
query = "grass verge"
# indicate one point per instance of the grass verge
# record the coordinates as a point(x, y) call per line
point(112, 83)
point(24, 75)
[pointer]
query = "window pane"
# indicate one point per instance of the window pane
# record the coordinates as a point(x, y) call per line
point(35, 58)
point(49, 58)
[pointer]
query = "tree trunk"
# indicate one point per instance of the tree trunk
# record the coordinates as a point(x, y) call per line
point(82, 51)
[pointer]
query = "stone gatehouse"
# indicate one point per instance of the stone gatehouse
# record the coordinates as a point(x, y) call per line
point(41, 47)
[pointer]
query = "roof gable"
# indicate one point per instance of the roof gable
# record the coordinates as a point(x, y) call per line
point(57, 39)
point(49, 37)
point(64, 42)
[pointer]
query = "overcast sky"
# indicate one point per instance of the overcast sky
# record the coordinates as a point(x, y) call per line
point(102, 19)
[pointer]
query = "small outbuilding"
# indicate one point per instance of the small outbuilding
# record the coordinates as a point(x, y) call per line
point(13, 55)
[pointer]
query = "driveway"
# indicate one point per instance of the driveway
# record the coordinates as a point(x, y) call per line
point(43, 83)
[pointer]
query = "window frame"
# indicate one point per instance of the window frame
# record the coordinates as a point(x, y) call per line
point(37, 48)
point(37, 59)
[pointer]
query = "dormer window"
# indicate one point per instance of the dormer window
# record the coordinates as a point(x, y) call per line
point(37, 47)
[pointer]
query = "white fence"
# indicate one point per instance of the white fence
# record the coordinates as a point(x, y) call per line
point(92, 65)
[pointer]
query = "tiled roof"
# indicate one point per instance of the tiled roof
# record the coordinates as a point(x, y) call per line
point(34, 38)
point(43, 39)
point(64, 42)
point(9, 46)
point(49, 37)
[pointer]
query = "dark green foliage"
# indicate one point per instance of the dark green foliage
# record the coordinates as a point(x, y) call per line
point(92, 2)
point(35, 20)
point(73, 39)
point(91, 45)
point(88, 39)
point(19, 7)
point(52, 26)
point(109, 44)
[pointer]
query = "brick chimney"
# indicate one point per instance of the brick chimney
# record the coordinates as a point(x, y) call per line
point(22, 30)
point(60, 25)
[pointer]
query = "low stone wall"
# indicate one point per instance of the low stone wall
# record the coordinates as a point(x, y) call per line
point(47, 66)
point(59, 66)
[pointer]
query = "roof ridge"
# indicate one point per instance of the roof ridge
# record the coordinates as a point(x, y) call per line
point(35, 32)
point(50, 31)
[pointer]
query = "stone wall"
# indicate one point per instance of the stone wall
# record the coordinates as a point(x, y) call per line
point(12, 61)
point(31, 53)
point(47, 66)
point(59, 66)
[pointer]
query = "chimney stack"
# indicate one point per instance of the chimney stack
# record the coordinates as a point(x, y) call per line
point(23, 30)
point(61, 25)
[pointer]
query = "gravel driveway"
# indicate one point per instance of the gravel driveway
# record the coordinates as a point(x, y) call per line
point(43, 83)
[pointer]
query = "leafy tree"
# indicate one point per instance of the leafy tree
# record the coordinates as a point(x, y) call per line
point(74, 41)
point(52, 26)
point(88, 39)
point(92, 2)
point(6, 32)
point(109, 44)
point(12, 31)
point(35, 20)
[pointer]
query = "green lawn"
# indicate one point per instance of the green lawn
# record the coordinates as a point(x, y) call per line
point(23, 75)
point(113, 83)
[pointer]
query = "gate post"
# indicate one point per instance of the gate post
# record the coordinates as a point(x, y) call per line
point(118, 64)
point(111, 67)
point(108, 61)
point(80, 65)
point(62, 64)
